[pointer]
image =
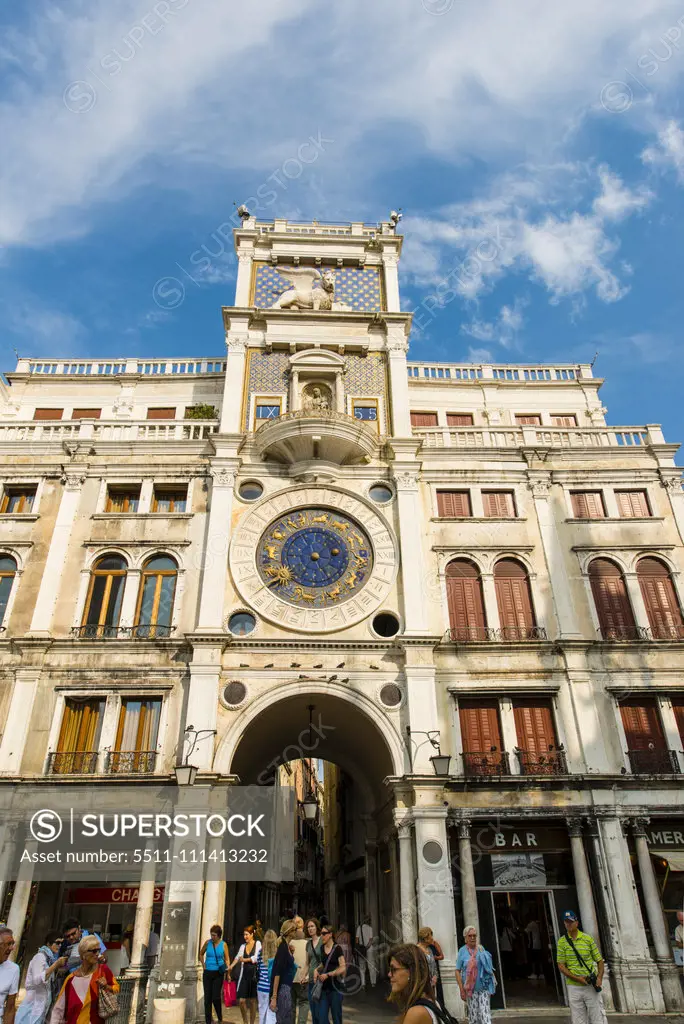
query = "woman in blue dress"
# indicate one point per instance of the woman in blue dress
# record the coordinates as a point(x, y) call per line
point(475, 977)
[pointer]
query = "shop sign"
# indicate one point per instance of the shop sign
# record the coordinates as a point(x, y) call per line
point(510, 837)
point(120, 894)
point(665, 835)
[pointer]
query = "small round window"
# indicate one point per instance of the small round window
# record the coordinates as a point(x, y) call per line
point(386, 624)
point(391, 695)
point(432, 852)
point(235, 693)
point(381, 493)
point(241, 623)
point(250, 490)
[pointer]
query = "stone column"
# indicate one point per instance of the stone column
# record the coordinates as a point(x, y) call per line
point(580, 867)
point(400, 406)
point(554, 554)
point(215, 555)
point(636, 599)
point(390, 263)
point(407, 887)
point(16, 918)
point(59, 544)
point(236, 357)
point(669, 972)
point(213, 905)
point(138, 968)
point(467, 873)
point(202, 707)
point(371, 884)
point(395, 909)
point(411, 547)
point(244, 278)
point(18, 718)
point(490, 603)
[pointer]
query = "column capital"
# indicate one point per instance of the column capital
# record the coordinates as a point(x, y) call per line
point(463, 826)
point(404, 827)
point(638, 826)
point(575, 827)
point(236, 343)
point(540, 485)
point(222, 476)
point(406, 481)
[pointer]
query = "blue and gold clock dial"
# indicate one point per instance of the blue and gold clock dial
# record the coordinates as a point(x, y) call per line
point(314, 557)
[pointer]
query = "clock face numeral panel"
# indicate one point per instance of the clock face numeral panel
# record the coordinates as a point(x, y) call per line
point(313, 559)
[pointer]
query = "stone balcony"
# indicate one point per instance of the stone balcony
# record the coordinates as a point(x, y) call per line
point(45, 432)
point(625, 438)
point(303, 435)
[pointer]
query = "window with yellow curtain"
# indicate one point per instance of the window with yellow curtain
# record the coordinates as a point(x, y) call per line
point(105, 595)
point(155, 599)
point(79, 737)
point(136, 737)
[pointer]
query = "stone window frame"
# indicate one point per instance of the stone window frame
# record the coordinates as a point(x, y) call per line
point(259, 398)
point(485, 562)
point(8, 483)
point(12, 551)
point(476, 502)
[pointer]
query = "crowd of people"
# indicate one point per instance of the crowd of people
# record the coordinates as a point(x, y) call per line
point(305, 969)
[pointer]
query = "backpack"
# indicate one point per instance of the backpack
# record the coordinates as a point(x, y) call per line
point(440, 1013)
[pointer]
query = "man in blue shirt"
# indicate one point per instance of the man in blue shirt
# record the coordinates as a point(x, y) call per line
point(73, 933)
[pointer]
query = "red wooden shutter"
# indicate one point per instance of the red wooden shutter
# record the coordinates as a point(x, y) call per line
point(166, 413)
point(453, 504)
point(678, 708)
point(498, 504)
point(459, 419)
point(612, 601)
point(567, 420)
point(86, 414)
point(632, 504)
point(662, 607)
point(528, 420)
point(534, 726)
point(423, 419)
point(479, 725)
point(48, 414)
point(588, 505)
point(465, 600)
point(514, 599)
point(641, 721)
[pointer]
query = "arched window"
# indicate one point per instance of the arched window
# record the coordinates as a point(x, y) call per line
point(155, 600)
point(105, 595)
point(8, 570)
point(466, 604)
point(613, 608)
point(660, 598)
point(514, 599)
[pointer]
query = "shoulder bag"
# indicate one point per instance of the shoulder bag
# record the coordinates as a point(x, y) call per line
point(317, 990)
point(107, 1003)
point(592, 974)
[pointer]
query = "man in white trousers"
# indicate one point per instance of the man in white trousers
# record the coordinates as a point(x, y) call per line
point(578, 958)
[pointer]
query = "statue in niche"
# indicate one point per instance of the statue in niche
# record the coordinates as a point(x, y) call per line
point(316, 398)
point(308, 289)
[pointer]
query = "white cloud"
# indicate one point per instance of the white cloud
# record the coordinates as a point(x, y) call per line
point(224, 86)
point(503, 330)
point(668, 152)
point(479, 355)
point(42, 329)
point(616, 201)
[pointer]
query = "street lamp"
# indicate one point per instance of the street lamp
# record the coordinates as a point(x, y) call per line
point(440, 762)
point(187, 773)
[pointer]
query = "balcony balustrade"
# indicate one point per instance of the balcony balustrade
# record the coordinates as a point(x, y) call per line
point(551, 762)
point(143, 631)
point(504, 634)
point(485, 763)
point(654, 761)
point(544, 437)
point(133, 762)
point(72, 762)
point(324, 434)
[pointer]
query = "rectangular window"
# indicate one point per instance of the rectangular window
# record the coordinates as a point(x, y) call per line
point(528, 419)
point(48, 414)
point(459, 419)
point(453, 504)
point(135, 749)
point(162, 413)
point(632, 504)
point(18, 499)
point(79, 738)
point(423, 419)
point(588, 505)
point(86, 414)
point(646, 744)
point(267, 412)
point(498, 504)
point(537, 742)
point(564, 420)
point(481, 737)
point(167, 499)
point(123, 499)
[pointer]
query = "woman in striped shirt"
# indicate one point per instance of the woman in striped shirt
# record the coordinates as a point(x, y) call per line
point(265, 964)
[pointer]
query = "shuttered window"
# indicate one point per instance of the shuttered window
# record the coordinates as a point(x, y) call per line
point(611, 600)
point(660, 598)
point(423, 419)
point(678, 708)
point(514, 600)
point(48, 414)
point(453, 504)
point(86, 414)
point(633, 504)
point(588, 505)
point(528, 420)
point(465, 599)
point(479, 725)
point(498, 504)
point(162, 413)
point(641, 721)
point(564, 420)
point(534, 726)
point(459, 419)
point(81, 725)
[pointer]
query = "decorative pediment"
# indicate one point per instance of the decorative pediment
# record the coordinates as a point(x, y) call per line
point(315, 360)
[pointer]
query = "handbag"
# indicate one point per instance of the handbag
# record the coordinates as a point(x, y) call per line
point(592, 974)
point(229, 993)
point(107, 1004)
point(317, 990)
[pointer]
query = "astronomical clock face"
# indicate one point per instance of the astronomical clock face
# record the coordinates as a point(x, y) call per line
point(315, 557)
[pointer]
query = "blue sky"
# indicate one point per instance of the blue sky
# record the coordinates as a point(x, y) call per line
point(536, 149)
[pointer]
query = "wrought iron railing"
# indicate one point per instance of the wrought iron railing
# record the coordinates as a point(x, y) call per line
point(143, 631)
point(654, 761)
point(504, 634)
point(548, 762)
point(478, 763)
point(663, 632)
point(135, 762)
point(72, 762)
point(623, 634)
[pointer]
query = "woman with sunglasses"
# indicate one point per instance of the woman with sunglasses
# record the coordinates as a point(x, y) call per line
point(412, 994)
point(332, 967)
